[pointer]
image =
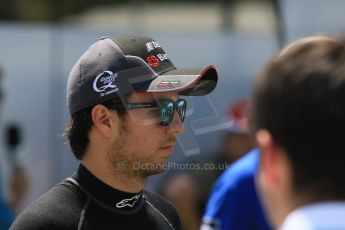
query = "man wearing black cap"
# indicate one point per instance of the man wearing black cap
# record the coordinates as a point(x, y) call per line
point(123, 97)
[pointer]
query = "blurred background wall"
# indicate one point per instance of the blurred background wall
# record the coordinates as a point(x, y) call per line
point(41, 40)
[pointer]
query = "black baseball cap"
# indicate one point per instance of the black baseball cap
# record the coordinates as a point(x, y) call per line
point(115, 67)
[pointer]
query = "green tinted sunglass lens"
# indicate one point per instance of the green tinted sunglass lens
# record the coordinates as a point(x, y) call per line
point(181, 106)
point(167, 111)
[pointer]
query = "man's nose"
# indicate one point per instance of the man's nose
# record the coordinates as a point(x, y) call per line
point(176, 126)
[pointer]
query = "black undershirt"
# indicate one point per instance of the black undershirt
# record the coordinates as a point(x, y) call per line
point(84, 202)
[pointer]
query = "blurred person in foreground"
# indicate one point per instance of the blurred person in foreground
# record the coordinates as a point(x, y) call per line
point(189, 189)
point(123, 96)
point(18, 180)
point(298, 120)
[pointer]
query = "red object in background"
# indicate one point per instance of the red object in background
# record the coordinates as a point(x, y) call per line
point(238, 112)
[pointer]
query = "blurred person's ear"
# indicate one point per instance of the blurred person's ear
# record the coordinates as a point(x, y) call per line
point(274, 177)
point(267, 158)
point(274, 163)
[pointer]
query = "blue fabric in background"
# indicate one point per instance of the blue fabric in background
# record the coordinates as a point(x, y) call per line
point(6, 215)
point(234, 203)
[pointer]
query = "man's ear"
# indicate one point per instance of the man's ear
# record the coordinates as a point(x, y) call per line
point(274, 163)
point(268, 157)
point(104, 120)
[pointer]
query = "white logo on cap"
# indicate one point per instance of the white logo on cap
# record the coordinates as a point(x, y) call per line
point(152, 45)
point(105, 81)
point(149, 47)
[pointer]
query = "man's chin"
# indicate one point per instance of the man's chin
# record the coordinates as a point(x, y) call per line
point(154, 171)
point(148, 169)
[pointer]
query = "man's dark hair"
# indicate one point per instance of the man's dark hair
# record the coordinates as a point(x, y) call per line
point(300, 100)
point(78, 128)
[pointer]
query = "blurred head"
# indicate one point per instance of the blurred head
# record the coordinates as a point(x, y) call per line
point(298, 119)
point(237, 141)
point(235, 145)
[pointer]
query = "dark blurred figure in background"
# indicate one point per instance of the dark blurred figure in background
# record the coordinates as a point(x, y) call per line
point(189, 189)
point(18, 179)
point(298, 120)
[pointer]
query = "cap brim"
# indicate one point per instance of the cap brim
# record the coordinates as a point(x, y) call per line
point(188, 81)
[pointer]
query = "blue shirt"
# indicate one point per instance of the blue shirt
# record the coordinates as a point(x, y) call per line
point(6, 214)
point(234, 203)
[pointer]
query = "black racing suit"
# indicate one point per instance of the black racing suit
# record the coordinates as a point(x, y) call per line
point(84, 202)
